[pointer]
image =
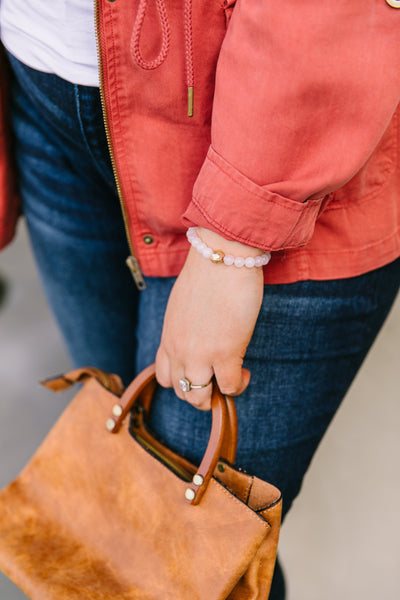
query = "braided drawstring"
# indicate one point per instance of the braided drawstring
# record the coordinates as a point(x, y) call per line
point(137, 31)
point(149, 65)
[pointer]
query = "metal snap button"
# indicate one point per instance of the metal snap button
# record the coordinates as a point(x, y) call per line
point(148, 239)
point(393, 3)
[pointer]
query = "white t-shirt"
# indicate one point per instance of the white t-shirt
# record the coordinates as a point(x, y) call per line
point(53, 36)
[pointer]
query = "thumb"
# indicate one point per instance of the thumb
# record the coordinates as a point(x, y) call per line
point(246, 376)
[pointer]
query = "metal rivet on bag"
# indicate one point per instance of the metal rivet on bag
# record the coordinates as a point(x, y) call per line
point(190, 494)
point(110, 424)
point(198, 479)
point(221, 467)
point(394, 3)
point(117, 410)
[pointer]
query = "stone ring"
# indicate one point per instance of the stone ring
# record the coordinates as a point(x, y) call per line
point(186, 385)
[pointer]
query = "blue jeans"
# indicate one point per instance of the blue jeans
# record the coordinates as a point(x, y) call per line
point(310, 339)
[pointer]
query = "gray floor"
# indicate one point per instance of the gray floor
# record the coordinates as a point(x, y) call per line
point(341, 539)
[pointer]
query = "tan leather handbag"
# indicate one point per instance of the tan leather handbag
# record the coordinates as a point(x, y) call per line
point(101, 512)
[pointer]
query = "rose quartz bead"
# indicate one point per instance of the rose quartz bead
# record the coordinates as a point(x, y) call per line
point(239, 261)
point(258, 261)
point(229, 259)
point(207, 252)
point(202, 246)
point(196, 242)
point(250, 262)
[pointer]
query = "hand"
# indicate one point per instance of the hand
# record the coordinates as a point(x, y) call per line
point(209, 321)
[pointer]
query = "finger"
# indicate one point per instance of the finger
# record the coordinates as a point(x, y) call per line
point(163, 369)
point(199, 398)
point(232, 379)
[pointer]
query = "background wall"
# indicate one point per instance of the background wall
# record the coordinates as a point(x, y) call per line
point(342, 537)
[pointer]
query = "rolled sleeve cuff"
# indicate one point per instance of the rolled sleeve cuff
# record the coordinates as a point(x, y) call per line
point(227, 202)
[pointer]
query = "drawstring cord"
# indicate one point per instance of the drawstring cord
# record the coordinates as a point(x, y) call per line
point(137, 31)
point(165, 43)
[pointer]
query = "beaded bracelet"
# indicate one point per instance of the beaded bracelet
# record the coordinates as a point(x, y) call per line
point(218, 256)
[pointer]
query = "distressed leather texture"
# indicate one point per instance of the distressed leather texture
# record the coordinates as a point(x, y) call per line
point(97, 515)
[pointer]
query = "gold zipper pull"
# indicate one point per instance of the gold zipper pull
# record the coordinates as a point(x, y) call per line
point(190, 101)
point(137, 275)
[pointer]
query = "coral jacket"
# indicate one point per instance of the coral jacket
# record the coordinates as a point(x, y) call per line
point(293, 143)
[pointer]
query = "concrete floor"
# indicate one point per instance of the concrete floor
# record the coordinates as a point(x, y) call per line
point(342, 537)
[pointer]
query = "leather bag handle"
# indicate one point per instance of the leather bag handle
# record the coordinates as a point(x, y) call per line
point(223, 437)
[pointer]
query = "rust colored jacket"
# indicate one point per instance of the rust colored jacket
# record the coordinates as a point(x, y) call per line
point(293, 143)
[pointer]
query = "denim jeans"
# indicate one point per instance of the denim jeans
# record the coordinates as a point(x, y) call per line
point(310, 339)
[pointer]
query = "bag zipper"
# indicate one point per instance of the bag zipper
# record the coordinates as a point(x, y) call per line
point(132, 262)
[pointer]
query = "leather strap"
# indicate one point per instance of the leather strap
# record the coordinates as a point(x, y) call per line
point(110, 381)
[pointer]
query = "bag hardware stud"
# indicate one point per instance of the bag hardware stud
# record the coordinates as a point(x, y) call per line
point(190, 494)
point(117, 410)
point(198, 479)
point(221, 467)
point(110, 424)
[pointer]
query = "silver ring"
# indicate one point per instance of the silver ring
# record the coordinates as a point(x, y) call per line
point(186, 385)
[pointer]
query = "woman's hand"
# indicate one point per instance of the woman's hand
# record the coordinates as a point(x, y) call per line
point(209, 321)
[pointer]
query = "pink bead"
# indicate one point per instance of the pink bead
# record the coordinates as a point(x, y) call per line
point(250, 262)
point(229, 259)
point(200, 247)
point(196, 242)
point(239, 261)
point(207, 252)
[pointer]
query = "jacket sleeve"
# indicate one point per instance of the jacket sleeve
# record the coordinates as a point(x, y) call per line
point(304, 91)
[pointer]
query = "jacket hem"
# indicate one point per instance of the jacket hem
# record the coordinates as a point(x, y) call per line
point(295, 265)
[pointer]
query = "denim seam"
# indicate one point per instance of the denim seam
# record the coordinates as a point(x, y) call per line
point(84, 136)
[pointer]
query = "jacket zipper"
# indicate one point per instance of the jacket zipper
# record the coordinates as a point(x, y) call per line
point(132, 262)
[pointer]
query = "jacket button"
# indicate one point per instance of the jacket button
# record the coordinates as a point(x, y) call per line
point(394, 3)
point(148, 240)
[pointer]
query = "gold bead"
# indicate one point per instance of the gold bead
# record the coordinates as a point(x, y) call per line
point(217, 256)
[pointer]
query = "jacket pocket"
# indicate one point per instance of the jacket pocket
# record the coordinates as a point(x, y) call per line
point(372, 178)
